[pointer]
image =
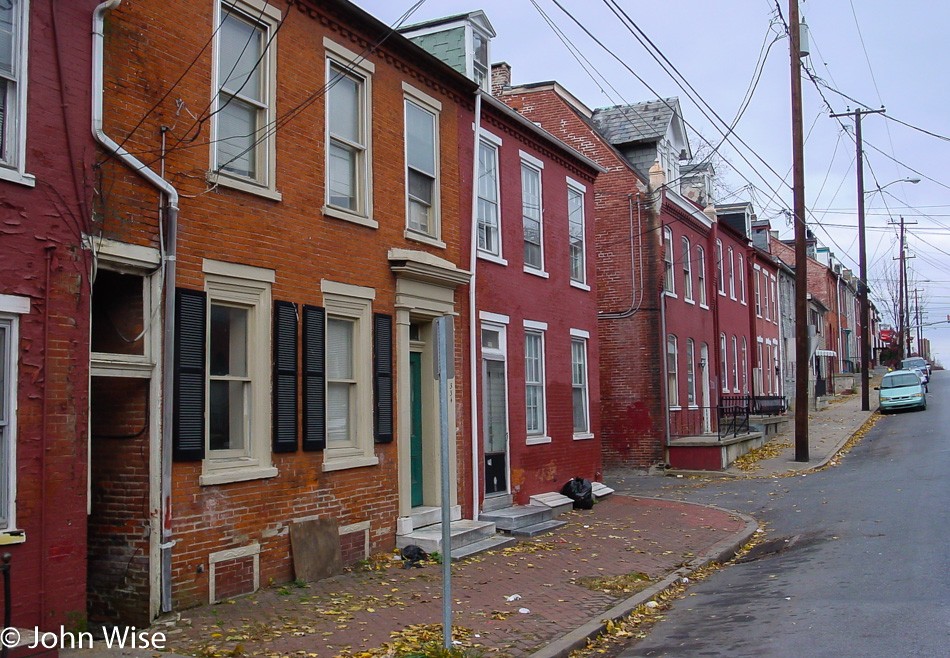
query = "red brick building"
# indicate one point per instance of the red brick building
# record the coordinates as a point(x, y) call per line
point(301, 164)
point(46, 167)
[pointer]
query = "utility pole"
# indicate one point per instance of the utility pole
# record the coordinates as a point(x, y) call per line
point(802, 341)
point(865, 321)
point(917, 314)
point(901, 324)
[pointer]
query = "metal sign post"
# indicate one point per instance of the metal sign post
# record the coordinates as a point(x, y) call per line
point(444, 371)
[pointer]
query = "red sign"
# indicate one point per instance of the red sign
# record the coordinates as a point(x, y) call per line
point(887, 335)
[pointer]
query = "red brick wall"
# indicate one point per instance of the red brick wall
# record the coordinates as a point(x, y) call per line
point(509, 290)
point(150, 45)
point(632, 410)
point(234, 578)
point(36, 223)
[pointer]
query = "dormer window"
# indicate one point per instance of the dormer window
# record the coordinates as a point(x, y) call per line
point(480, 61)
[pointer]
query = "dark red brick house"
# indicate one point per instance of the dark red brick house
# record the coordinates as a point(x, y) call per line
point(46, 171)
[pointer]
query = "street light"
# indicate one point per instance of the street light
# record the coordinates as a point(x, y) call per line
point(912, 181)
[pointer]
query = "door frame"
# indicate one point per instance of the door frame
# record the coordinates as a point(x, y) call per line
point(498, 323)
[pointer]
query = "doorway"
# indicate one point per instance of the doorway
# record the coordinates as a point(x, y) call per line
point(495, 410)
point(416, 469)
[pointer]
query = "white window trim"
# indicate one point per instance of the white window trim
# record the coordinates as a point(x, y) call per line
point(252, 551)
point(11, 308)
point(14, 170)
point(583, 335)
point(249, 287)
point(732, 273)
point(433, 106)
point(721, 268)
point(351, 302)
point(701, 261)
point(538, 329)
point(687, 270)
point(673, 394)
point(494, 318)
point(582, 190)
point(669, 275)
point(359, 66)
point(531, 162)
point(742, 299)
point(268, 17)
point(495, 143)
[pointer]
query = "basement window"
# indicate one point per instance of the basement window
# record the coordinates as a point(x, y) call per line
point(120, 316)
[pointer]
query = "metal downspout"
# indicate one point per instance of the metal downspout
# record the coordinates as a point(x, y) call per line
point(171, 221)
point(474, 343)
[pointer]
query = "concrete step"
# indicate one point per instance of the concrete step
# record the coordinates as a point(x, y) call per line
point(519, 516)
point(538, 528)
point(601, 490)
point(464, 532)
point(492, 543)
point(559, 503)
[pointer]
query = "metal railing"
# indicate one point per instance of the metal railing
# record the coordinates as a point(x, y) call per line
point(769, 405)
point(733, 415)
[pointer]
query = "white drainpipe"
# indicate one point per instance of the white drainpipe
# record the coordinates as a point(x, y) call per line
point(474, 343)
point(171, 220)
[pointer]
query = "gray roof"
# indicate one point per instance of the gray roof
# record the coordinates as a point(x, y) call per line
point(639, 122)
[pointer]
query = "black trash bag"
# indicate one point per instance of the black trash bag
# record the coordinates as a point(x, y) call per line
point(580, 491)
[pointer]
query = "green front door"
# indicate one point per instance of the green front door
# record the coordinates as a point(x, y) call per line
point(415, 436)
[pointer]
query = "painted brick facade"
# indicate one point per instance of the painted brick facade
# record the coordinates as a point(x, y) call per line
point(288, 232)
point(44, 297)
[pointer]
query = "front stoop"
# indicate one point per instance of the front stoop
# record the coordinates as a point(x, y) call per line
point(601, 490)
point(468, 537)
point(559, 503)
point(770, 425)
point(709, 453)
point(523, 520)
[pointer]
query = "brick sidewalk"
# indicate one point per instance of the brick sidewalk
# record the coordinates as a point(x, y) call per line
point(358, 611)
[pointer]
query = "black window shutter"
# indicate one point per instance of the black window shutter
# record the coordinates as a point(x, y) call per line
point(314, 379)
point(285, 377)
point(188, 434)
point(383, 377)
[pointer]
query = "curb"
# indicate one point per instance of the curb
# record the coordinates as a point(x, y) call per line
point(724, 549)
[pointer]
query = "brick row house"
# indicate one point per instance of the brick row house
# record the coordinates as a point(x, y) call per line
point(46, 171)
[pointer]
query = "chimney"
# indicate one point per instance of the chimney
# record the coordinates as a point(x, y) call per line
point(500, 77)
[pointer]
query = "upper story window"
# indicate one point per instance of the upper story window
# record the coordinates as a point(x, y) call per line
point(758, 291)
point(422, 166)
point(575, 222)
point(480, 61)
point(687, 270)
point(732, 273)
point(244, 98)
point(348, 152)
point(489, 222)
point(741, 279)
point(669, 284)
point(531, 215)
point(701, 274)
point(720, 268)
point(13, 42)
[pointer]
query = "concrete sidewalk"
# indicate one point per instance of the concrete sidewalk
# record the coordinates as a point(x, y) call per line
point(542, 597)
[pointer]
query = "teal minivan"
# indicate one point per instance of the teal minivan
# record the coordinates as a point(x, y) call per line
point(902, 389)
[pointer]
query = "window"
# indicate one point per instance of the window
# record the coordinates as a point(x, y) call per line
point(11, 307)
point(735, 365)
point(719, 265)
point(575, 221)
point(741, 279)
point(534, 382)
point(480, 72)
point(701, 274)
point(349, 376)
point(579, 384)
point(531, 215)
point(669, 285)
point(672, 376)
point(758, 292)
point(732, 273)
point(774, 301)
point(489, 235)
point(422, 166)
point(765, 295)
point(723, 363)
point(244, 97)
point(745, 366)
point(13, 49)
point(687, 270)
point(690, 373)
point(237, 341)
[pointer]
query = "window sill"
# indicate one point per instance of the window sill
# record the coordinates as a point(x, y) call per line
point(536, 272)
point(416, 236)
point(701, 305)
point(692, 407)
point(348, 216)
point(676, 408)
point(343, 463)
point(585, 436)
point(484, 255)
point(14, 176)
point(223, 180)
point(689, 301)
point(537, 440)
point(237, 474)
point(580, 286)
point(10, 537)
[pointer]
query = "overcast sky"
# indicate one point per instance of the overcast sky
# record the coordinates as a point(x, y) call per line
point(878, 52)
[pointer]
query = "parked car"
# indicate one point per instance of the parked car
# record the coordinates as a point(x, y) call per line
point(919, 363)
point(902, 389)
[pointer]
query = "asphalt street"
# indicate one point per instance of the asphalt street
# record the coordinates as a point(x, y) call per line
point(856, 560)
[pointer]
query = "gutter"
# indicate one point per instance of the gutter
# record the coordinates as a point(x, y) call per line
point(472, 319)
point(170, 212)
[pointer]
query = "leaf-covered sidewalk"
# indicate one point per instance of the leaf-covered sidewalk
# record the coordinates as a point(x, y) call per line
point(507, 603)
